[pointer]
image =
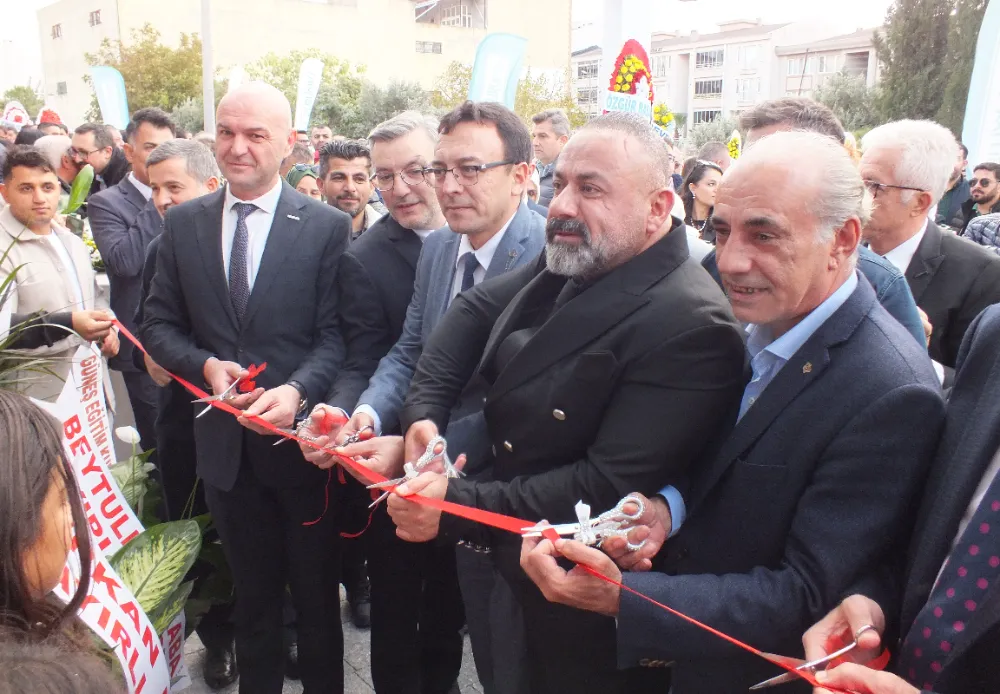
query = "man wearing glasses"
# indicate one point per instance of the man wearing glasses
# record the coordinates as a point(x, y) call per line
point(906, 166)
point(93, 144)
point(345, 176)
point(985, 192)
point(479, 171)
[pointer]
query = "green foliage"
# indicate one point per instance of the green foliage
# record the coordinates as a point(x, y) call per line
point(170, 608)
point(189, 115)
point(79, 190)
point(155, 74)
point(718, 130)
point(452, 86)
point(29, 98)
point(377, 104)
point(850, 98)
point(962, 39)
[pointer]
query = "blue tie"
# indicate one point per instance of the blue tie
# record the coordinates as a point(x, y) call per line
point(239, 282)
point(468, 277)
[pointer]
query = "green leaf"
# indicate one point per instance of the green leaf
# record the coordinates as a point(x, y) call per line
point(154, 564)
point(171, 607)
point(81, 188)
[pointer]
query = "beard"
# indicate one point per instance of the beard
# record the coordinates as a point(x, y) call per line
point(586, 259)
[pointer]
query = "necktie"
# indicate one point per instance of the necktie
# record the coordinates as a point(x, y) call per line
point(468, 277)
point(972, 567)
point(239, 281)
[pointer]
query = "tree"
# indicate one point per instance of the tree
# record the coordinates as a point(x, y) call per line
point(339, 91)
point(29, 98)
point(154, 74)
point(718, 130)
point(377, 104)
point(913, 50)
point(962, 39)
point(851, 99)
point(452, 86)
point(189, 115)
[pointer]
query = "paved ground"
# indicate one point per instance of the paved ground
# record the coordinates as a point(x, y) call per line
point(357, 670)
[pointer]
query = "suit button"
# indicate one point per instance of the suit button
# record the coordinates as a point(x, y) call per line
point(559, 414)
point(644, 662)
point(508, 446)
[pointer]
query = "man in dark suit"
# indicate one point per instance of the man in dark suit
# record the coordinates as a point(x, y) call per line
point(802, 497)
point(93, 144)
point(952, 279)
point(590, 393)
point(124, 221)
point(956, 652)
point(247, 275)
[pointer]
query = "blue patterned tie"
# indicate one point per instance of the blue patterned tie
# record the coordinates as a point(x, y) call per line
point(471, 265)
point(971, 568)
point(239, 281)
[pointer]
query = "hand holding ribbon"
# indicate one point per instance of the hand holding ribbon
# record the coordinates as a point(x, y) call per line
point(653, 526)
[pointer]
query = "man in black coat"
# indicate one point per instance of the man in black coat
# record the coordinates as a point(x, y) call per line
point(94, 145)
point(960, 510)
point(247, 276)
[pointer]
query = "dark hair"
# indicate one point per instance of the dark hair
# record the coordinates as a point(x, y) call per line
point(30, 451)
point(342, 149)
point(53, 666)
point(28, 156)
point(557, 117)
point(513, 133)
point(28, 136)
point(102, 136)
point(688, 165)
point(800, 113)
point(49, 124)
point(965, 150)
point(156, 117)
point(300, 154)
point(989, 166)
point(698, 172)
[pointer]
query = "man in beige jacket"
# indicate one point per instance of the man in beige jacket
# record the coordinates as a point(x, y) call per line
point(52, 266)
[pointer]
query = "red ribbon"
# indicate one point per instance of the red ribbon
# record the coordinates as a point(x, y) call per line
point(496, 520)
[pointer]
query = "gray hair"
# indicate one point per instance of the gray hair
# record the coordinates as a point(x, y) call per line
point(642, 130)
point(198, 159)
point(926, 154)
point(404, 124)
point(842, 194)
point(714, 151)
point(557, 117)
point(54, 147)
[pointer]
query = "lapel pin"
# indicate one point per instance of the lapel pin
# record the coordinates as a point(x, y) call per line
point(807, 368)
point(291, 216)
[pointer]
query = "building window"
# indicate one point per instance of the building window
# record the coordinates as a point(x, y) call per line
point(707, 88)
point(795, 66)
point(95, 18)
point(57, 31)
point(586, 69)
point(661, 63)
point(586, 96)
point(747, 89)
point(429, 47)
point(706, 116)
point(747, 55)
point(827, 63)
point(61, 88)
point(705, 59)
point(457, 16)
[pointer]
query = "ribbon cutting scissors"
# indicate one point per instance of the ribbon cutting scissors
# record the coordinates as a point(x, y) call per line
point(614, 523)
point(411, 470)
point(252, 372)
point(810, 666)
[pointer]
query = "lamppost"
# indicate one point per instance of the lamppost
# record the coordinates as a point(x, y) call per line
point(207, 72)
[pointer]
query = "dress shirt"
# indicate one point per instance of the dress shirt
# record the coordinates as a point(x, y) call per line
point(769, 355)
point(901, 255)
point(423, 233)
point(146, 191)
point(76, 289)
point(258, 228)
point(484, 255)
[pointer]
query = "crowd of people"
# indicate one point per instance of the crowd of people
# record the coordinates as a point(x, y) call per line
point(789, 369)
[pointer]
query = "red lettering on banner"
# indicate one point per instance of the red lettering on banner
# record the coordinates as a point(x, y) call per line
point(72, 427)
point(102, 621)
point(105, 503)
point(88, 387)
point(120, 636)
point(175, 640)
point(110, 584)
point(150, 641)
point(91, 466)
point(80, 447)
point(88, 600)
point(93, 411)
point(118, 522)
point(102, 486)
point(64, 579)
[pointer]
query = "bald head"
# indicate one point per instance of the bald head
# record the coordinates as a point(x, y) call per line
point(253, 134)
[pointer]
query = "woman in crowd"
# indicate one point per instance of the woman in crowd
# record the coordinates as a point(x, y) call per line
point(302, 177)
point(52, 668)
point(698, 193)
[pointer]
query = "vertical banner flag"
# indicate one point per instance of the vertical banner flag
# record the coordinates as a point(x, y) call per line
point(109, 85)
point(497, 69)
point(625, 48)
point(981, 132)
point(310, 76)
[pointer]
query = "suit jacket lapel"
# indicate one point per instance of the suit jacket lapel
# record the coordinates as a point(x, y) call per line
point(925, 262)
point(281, 239)
point(404, 242)
point(511, 245)
point(132, 194)
point(208, 230)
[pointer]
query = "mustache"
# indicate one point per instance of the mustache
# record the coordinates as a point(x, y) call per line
point(566, 226)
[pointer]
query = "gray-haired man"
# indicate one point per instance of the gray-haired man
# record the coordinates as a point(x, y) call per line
point(549, 135)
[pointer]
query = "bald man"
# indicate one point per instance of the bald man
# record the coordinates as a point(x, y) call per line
point(247, 275)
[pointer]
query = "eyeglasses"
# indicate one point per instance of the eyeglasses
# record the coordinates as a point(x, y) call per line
point(81, 153)
point(981, 182)
point(466, 175)
point(305, 168)
point(874, 187)
point(413, 176)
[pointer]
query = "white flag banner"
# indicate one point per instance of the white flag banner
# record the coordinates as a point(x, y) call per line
point(173, 646)
point(310, 77)
point(981, 130)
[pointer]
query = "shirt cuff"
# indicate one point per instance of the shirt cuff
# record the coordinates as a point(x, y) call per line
point(678, 511)
point(368, 410)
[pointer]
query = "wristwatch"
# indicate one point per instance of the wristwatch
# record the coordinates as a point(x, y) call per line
point(303, 398)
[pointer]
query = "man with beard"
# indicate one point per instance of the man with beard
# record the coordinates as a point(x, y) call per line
point(985, 192)
point(590, 392)
point(345, 172)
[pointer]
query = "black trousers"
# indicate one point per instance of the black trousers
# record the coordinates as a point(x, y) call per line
point(352, 500)
point(268, 546)
point(417, 613)
point(143, 396)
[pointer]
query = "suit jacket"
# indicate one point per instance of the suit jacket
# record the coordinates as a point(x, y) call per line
point(116, 170)
point(123, 223)
point(376, 285)
point(523, 239)
point(952, 280)
point(801, 500)
point(970, 440)
point(290, 323)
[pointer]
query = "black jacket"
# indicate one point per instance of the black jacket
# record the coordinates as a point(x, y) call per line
point(969, 212)
point(117, 169)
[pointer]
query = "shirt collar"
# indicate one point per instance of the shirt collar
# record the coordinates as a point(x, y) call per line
point(146, 191)
point(759, 336)
point(266, 202)
point(901, 255)
point(485, 253)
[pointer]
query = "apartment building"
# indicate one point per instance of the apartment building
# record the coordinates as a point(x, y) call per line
point(806, 67)
point(589, 79)
point(411, 40)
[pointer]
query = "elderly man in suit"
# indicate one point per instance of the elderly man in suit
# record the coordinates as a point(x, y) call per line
point(950, 611)
point(907, 165)
point(589, 391)
point(124, 222)
point(247, 275)
point(803, 497)
point(479, 170)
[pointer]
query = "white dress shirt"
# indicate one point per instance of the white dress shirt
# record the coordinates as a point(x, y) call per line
point(901, 255)
point(484, 255)
point(424, 233)
point(258, 228)
point(146, 191)
point(76, 289)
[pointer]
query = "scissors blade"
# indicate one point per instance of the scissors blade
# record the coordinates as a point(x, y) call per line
point(563, 529)
point(811, 666)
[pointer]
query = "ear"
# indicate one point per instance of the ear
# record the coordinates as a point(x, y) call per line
point(289, 143)
point(922, 203)
point(661, 203)
point(563, 139)
point(520, 183)
point(212, 184)
point(845, 242)
point(129, 151)
point(3, 192)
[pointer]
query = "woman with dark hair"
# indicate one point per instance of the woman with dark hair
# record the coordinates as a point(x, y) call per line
point(52, 667)
point(27, 136)
point(39, 507)
point(698, 194)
